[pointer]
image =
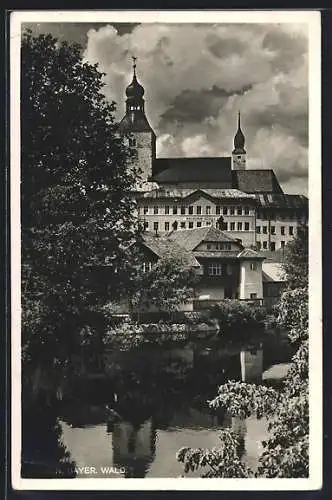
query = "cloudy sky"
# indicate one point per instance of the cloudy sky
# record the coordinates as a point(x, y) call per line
point(197, 77)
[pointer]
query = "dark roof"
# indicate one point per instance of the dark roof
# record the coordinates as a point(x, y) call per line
point(191, 238)
point(134, 122)
point(161, 247)
point(174, 170)
point(282, 200)
point(256, 181)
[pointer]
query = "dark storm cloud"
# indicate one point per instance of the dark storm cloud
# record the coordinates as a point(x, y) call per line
point(194, 106)
point(73, 32)
point(222, 48)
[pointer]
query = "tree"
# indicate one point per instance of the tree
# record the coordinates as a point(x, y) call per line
point(166, 286)
point(286, 451)
point(76, 207)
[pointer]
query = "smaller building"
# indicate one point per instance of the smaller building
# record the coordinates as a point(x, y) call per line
point(225, 268)
point(273, 282)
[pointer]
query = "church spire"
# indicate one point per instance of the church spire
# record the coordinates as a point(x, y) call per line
point(239, 139)
point(239, 153)
point(135, 119)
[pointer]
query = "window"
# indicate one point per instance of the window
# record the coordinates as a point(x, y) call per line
point(175, 225)
point(253, 295)
point(183, 225)
point(239, 226)
point(232, 226)
point(232, 211)
point(282, 244)
point(183, 210)
point(175, 210)
point(273, 230)
point(208, 210)
point(215, 269)
point(239, 211)
point(146, 266)
point(155, 210)
point(208, 246)
point(264, 229)
point(167, 210)
point(258, 245)
point(224, 211)
point(258, 229)
point(291, 230)
point(282, 230)
point(265, 245)
point(199, 224)
point(246, 226)
point(208, 223)
point(225, 226)
point(229, 270)
point(146, 225)
point(246, 211)
point(253, 266)
point(146, 210)
point(132, 142)
point(191, 225)
point(272, 246)
point(198, 210)
point(155, 226)
point(191, 210)
point(166, 226)
point(228, 246)
point(218, 210)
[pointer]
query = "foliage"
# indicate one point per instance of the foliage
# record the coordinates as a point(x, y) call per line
point(238, 319)
point(166, 286)
point(296, 259)
point(43, 453)
point(218, 462)
point(286, 451)
point(76, 208)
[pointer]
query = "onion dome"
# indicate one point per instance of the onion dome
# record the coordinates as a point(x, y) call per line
point(239, 139)
point(135, 90)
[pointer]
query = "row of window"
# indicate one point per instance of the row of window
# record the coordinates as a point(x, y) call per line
point(219, 246)
point(263, 230)
point(231, 226)
point(183, 210)
point(272, 246)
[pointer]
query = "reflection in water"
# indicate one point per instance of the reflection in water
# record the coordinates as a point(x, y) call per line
point(134, 447)
point(157, 411)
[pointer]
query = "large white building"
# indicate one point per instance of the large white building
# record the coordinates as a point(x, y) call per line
point(188, 193)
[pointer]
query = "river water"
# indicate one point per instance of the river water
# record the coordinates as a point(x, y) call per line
point(148, 411)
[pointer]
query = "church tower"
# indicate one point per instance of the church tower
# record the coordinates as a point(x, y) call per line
point(135, 124)
point(239, 153)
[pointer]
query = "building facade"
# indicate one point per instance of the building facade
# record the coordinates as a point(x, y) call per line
point(225, 269)
point(175, 194)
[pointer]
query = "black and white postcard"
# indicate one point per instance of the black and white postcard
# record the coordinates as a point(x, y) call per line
point(166, 250)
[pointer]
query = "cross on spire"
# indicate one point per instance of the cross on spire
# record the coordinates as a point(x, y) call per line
point(134, 63)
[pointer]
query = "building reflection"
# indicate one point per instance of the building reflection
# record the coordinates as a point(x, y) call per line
point(134, 447)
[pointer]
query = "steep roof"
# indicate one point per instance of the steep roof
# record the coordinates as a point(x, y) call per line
point(173, 170)
point(134, 122)
point(161, 247)
point(249, 253)
point(191, 238)
point(282, 200)
point(273, 271)
point(256, 181)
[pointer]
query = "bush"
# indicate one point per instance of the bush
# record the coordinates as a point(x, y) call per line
point(238, 320)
